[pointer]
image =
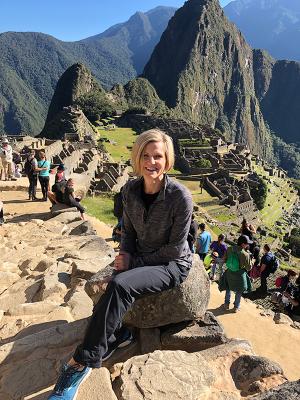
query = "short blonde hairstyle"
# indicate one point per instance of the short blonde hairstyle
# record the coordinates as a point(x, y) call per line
point(153, 135)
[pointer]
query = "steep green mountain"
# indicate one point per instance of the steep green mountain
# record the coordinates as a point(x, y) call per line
point(139, 35)
point(33, 63)
point(76, 82)
point(138, 94)
point(277, 86)
point(273, 25)
point(202, 68)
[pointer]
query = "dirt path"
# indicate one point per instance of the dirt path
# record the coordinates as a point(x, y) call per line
point(280, 343)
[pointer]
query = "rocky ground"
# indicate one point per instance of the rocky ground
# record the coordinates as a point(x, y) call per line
point(45, 265)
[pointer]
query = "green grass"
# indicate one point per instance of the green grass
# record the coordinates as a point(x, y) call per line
point(123, 137)
point(100, 207)
point(174, 171)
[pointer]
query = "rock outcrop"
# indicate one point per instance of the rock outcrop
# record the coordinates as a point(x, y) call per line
point(183, 303)
point(180, 375)
point(62, 118)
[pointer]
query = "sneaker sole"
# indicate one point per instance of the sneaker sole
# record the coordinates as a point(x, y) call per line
point(83, 380)
point(121, 346)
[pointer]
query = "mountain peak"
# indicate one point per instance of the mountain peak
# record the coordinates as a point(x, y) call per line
point(210, 77)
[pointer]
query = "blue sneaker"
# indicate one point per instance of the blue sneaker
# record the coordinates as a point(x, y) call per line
point(123, 339)
point(68, 382)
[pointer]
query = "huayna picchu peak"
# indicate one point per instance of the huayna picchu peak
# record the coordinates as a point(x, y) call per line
point(210, 79)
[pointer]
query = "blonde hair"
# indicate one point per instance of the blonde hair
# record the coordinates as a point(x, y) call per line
point(153, 135)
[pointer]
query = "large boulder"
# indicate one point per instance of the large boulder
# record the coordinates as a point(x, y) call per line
point(203, 375)
point(196, 336)
point(185, 302)
point(250, 373)
point(178, 375)
point(287, 391)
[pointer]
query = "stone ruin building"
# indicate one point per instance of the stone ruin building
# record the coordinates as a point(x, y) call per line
point(232, 192)
point(89, 165)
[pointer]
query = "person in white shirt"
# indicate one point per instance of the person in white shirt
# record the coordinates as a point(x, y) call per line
point(7, 159)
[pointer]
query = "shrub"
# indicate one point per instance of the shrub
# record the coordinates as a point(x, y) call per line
point(96, 105)
point(259, 193)
point(203, 163)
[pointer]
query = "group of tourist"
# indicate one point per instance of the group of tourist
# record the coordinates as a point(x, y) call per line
point(63, 189)
point(240, 264)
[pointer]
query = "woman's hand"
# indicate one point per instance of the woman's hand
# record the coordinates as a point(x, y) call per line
point(122, 261)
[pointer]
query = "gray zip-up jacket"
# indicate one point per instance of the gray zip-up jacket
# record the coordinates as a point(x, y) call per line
point(159, 235)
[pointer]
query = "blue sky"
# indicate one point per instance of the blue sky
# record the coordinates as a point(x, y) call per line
point(72, 19)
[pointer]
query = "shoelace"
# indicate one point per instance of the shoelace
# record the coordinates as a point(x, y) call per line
point(65, 378)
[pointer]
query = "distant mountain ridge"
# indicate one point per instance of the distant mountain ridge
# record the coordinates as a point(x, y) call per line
point(32, 63)
point(272, 25)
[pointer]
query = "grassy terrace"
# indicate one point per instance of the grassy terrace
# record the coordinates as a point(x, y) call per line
point(280, 197)
point(101, 207)
point(208, 203)
point(123, 138)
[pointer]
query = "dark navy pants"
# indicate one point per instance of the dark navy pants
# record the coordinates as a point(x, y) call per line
point(119, 296)
point(32, 185)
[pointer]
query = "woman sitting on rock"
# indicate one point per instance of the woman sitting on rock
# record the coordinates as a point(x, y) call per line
point(69, 198)
point(154, 255)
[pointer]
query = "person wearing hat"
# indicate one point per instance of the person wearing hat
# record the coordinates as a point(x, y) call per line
point(60, 173)
point(7, 159)
point(235, 278)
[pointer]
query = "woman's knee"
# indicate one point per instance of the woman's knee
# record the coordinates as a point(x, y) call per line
point(118, 282)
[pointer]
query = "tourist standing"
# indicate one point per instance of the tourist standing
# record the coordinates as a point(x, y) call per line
point(44, 171)
point(266, 267)
point(192, 236)
point(235, 278)
point(154, 255)
point(203, 242)
point(219, 247)
point(1, 166)
point(30, 169)
point(7, 159)
point(1, 213)
point(248, 229)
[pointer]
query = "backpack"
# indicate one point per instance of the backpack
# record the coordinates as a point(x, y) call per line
point(278, 281)
point(274, 264)
point(28, 167)
point(118, 205)
point(233, 262)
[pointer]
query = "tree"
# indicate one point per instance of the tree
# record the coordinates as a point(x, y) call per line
point(96, 105)
point(203, 163)
point(259, 193)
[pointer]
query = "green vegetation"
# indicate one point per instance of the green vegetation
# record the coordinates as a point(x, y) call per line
point(101, 207)
point(288, 156)
point(259, 193)
point(294, 242)
point(32, 63)
point(121, 140)
point(203, 163)
point(279, 198)
point(96, 105)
